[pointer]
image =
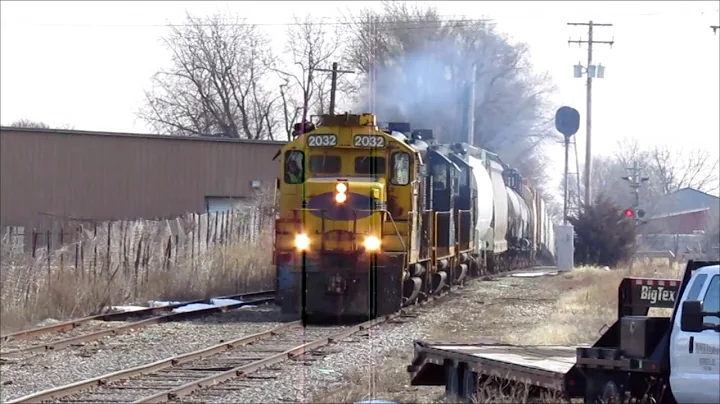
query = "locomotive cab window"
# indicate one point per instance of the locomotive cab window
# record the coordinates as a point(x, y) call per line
point(294, 167)
point(370, 165)
point(455, 178)
point(440, 177)
point(400, 169)
point(464, 177)
point(325, 164)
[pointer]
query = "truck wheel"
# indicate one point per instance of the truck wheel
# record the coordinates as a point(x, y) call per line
point(611, 394)
point(601, 389)
point(451, 380)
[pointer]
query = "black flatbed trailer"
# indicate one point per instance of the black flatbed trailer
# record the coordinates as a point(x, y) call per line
point(458, 366)
point(634, 348)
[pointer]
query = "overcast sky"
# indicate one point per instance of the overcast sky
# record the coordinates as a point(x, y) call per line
point(87, 63)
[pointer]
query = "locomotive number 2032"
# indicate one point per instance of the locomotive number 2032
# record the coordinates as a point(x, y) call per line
point(368, 141)
point(322, 140)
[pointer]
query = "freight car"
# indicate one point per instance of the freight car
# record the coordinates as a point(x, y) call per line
point(374, 219)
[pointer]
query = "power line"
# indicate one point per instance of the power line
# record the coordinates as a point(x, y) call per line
point(423, 24)
point(588, 114)
point(444, 19)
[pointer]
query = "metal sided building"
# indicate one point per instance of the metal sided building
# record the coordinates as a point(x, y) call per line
point(51, 176)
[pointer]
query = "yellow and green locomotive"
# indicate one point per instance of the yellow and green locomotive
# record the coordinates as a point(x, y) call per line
point(369, 219)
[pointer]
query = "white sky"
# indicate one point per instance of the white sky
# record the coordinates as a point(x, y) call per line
point(87, 63)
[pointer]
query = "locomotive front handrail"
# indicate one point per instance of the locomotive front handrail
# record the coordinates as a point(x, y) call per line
point(397, 231)
point(354, 232)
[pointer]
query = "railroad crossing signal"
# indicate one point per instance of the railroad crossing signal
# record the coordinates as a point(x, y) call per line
point(630, 212)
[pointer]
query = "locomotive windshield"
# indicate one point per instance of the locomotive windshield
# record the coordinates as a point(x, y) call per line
point(370, 165)
point(325, 164)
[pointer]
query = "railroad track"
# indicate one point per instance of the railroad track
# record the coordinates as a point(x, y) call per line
point(182, 375)
point(232, 363)
point(74, 332)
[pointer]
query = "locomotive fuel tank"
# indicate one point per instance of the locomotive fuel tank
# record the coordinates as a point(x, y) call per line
point(484, 202)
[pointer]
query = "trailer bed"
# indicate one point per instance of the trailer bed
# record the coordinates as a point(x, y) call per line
point(460, 365)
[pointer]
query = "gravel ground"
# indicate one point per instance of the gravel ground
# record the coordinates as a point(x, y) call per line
point(114, 353)
point(373, 364)
point(368, 364)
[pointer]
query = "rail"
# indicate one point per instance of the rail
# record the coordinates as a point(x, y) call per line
point(174, 363)
point(129, 327)
point(71, 324)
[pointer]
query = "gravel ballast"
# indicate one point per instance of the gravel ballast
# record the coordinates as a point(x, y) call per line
point(53, 369)
point(341, 372)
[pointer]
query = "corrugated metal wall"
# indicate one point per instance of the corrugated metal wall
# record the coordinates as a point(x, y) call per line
point(52, 176)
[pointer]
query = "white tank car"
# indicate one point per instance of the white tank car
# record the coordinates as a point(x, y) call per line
point(529, 197)
point(484, 202)
point(542, 223)
point(500, 202)
point(518, 213)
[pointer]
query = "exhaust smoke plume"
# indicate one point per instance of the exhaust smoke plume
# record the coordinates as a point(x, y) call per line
point(421, 72)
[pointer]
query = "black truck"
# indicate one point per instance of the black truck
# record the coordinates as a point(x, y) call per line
point(664, 360)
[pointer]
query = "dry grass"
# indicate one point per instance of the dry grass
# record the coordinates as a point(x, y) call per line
point(588, 302)
point(136, 268)
point(567, 309)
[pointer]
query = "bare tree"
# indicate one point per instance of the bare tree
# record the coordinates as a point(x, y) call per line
point(29, 123)
point(680, 168)
point(311, 46)
point(667, 170)
point(215, 85)
point(418, 67)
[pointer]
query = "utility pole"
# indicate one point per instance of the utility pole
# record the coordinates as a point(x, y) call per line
point(471, 107)
point(591, 71)
point(333, 85)
point(715, 28)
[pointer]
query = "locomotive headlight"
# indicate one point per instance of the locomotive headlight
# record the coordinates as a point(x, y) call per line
point(341, 195)
point(371, 243)
point(302, 242)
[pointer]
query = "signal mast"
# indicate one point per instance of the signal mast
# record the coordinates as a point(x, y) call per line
point(636, 180)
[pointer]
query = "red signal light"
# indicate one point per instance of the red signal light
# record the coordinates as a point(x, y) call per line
point(629, 213)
